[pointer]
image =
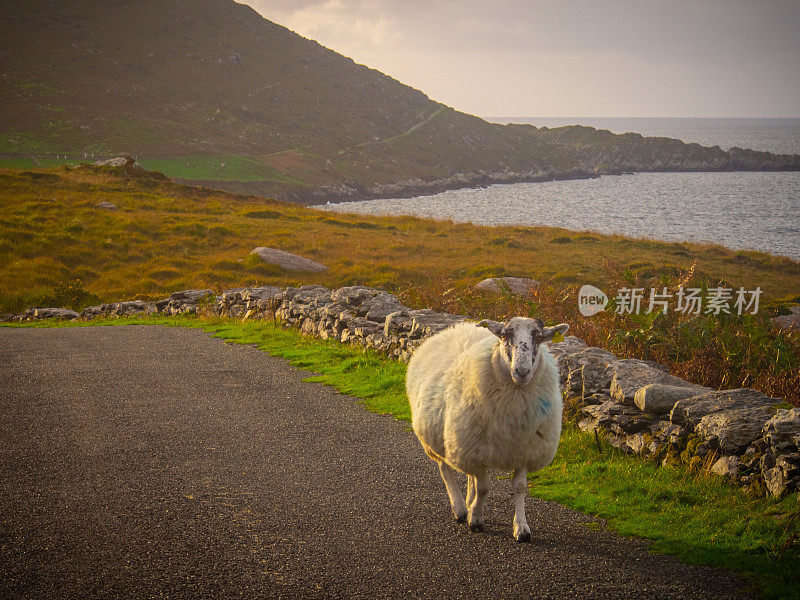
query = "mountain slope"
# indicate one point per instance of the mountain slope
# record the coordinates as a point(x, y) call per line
point(183, 76)
point(209, 91)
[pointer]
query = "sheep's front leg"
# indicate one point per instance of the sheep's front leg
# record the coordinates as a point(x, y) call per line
point(519, 483)
point(470, 489)
point(453, 491)
point(481, 484)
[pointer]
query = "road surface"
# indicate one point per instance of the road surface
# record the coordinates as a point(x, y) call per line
point(155, 462)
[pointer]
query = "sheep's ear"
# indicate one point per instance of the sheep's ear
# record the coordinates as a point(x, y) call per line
point(557, 331)
point(493, 326)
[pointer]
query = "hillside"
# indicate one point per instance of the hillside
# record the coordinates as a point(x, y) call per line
point(209, 91)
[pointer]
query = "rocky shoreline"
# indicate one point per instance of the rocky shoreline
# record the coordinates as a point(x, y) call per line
point(636, 406)
point(593, 163)
point(406, 188)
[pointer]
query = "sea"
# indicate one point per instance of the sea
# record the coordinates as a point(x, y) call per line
point(740, 210)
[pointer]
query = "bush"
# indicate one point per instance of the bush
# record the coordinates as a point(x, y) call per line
point(71, 294)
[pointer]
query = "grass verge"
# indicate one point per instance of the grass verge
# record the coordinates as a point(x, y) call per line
point(697, 517)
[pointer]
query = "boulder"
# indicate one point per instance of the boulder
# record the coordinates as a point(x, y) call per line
point(790, 463)
point(354, 295)
point(570, 345)
point(426, 322)
point(190, 296)
point(587, 371)
point(631, 374)
point(287, 260)
point(776, 481)
point(119, 161)
point(183, 302)
point(106, 205)
point(690, 411)
point(632, 423)
point(315, 295)
point(265, 292)
point(397, 322)
point(35, 314)
point(790, 322)
point(380, 307)
point(126, 308)
point(666, 432)
point(90, 312)
point(637, 442)
point(729, 420)
point(611, 412)
point(727, 466)
point(516, 286)
point(782, 431)
point(658, 399)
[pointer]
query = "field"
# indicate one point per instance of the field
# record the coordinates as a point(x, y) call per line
point(225, 167)
point(57, 248)
point(219, 168)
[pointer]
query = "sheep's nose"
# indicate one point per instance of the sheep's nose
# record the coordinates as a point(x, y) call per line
point(522, 372)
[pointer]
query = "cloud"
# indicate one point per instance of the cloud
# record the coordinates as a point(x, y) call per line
point(348, 23)
point(584, 57)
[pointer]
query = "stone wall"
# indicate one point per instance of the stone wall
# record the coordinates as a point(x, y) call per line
point(635, 405)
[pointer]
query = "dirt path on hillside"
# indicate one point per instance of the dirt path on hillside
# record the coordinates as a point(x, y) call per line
point(160, 462)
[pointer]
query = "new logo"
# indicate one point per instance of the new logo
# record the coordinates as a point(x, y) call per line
point(591, 300)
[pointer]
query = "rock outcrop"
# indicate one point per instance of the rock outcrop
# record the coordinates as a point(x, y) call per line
point(790, 321)
point(637, 406)
point(40, 314)
point(119, 161)
point(517, 286)
point(287, 260)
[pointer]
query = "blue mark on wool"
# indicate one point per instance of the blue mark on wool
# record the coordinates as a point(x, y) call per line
point(544, 406)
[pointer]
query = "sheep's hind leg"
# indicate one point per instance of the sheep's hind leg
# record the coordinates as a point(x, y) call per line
point(481, 483)
point(522, 533)
point(456, 500)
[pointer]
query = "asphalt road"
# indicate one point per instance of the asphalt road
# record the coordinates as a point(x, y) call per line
point(152, 462)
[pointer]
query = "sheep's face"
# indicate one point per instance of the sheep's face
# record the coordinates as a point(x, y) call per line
point(520, 339)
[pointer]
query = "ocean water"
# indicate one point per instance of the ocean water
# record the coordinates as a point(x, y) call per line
point(741, 210)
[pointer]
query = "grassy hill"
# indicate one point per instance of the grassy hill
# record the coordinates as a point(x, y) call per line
point(181, 77)
point(209, 91)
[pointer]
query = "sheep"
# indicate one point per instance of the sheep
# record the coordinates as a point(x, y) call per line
point(486, 396)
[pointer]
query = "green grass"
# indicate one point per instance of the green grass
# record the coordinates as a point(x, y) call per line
point(435, 114)
point(236, 168)
point(24, 162)
point(203, 168)
point(697, 517)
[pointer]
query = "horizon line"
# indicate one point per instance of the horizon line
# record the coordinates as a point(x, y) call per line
point(628, 117)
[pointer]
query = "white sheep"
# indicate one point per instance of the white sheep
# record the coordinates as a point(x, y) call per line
point(486, 396)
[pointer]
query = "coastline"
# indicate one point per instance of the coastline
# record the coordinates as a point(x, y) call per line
point(409, 188)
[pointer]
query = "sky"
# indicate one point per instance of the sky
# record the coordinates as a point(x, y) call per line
point(562, 58)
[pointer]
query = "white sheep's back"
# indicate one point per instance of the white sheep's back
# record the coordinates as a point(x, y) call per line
point(428, 372)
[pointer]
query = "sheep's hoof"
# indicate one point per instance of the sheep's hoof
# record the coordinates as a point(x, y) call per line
point(524, 537)
point(476, 527)
point(462, 518)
